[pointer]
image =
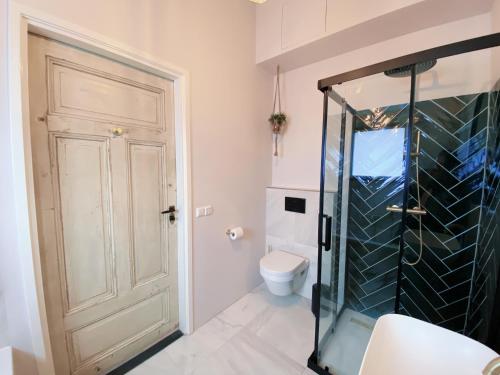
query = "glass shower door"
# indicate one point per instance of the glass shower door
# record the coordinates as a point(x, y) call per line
point(328, 279)
point(362, 196)
point(409, 199)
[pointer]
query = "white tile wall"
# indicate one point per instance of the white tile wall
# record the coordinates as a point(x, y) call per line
point(294, 232)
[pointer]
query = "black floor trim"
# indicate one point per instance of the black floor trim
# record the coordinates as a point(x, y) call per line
point(148, 353)
point(312, 363)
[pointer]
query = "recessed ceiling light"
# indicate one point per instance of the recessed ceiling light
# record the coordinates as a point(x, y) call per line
point(258, 1)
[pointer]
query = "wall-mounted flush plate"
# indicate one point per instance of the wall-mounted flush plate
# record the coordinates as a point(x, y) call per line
point(295, 205)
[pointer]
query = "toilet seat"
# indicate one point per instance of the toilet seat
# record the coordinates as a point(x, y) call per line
point(281, 266)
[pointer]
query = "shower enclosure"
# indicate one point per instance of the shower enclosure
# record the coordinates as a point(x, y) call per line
point(408, 219)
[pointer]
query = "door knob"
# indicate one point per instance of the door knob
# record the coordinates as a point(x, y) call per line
point(117, 132)
point(171, 211)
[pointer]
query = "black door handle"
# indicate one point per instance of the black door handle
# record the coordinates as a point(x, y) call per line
point(328, 233)
point(171, 211)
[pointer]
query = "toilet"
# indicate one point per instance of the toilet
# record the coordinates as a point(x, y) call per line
point(283, 272)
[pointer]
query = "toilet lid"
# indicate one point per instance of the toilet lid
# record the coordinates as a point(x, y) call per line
point(281, 262)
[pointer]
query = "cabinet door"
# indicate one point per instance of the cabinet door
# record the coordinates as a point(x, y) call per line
point(303, 21)
point(344, 14)
point(268, 29)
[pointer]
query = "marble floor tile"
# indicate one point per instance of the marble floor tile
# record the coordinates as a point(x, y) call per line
point(166, 368)
point(145, 370)
point(246, 354)
point(179, 358)
point(308, 371)
point(185, 353)
point(287, 326)
point(260, 334)
point(243, 311)
point(345, 350)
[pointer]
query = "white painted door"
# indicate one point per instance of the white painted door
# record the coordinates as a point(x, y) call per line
point(103, 155)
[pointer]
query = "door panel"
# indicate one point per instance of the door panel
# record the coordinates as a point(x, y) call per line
point(81, 174)
point(106, 335)
point(56, 123)
point(78, 90)
point(109, 257)
point(146, 172)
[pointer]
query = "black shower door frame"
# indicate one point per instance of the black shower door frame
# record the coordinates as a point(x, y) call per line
point(325, 86)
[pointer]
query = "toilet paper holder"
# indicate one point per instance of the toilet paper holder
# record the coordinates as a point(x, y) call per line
point(235, 233)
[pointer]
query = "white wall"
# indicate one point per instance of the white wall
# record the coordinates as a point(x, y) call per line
point(495, 19)
point(4, 169)
point(495, 16)
point(14, 324)
point(298, 164)
point(231, 140)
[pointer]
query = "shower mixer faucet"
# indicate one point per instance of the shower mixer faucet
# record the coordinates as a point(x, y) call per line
point(413, 211)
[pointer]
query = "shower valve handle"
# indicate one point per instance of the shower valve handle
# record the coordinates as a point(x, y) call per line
point(413, 211)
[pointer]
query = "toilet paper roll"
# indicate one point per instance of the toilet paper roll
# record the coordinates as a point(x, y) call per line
point(236, 233)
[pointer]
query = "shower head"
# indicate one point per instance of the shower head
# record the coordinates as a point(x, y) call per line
point(405, 71)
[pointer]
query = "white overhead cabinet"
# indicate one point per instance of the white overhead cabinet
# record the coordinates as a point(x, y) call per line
point(342, 14)
point(268, 29)
point(296, 33)
point(287, 24)
point(303, 22)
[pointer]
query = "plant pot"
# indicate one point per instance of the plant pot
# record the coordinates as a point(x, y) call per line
point(277, 128)
point(276, 131)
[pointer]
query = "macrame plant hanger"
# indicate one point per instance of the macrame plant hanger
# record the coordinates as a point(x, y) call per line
point(277, 119)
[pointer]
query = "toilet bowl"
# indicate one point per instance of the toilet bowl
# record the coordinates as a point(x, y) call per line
point(283, 272)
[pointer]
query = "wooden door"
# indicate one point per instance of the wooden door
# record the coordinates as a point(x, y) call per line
point(104, 166)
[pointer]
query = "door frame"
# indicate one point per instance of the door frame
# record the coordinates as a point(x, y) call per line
point(21, 20)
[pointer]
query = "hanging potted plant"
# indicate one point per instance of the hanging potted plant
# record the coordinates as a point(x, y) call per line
point(278, 119)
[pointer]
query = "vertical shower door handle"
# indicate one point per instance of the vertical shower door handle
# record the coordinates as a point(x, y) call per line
point(327, 243)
